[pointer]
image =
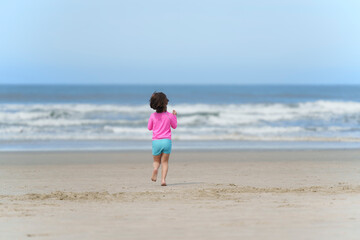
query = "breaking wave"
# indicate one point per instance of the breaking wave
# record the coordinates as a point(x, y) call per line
point(325, 120)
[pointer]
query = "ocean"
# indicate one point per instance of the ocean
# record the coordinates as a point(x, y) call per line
point(114, 117)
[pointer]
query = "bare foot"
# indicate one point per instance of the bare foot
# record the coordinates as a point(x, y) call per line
point(154, 175)
point(163, 184)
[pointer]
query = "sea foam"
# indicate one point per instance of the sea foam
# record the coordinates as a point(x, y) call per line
point(329, 120)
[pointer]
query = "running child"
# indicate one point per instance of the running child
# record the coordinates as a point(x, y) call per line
point(160, 123)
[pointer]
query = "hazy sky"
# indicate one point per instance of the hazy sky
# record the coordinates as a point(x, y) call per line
point(170, 41)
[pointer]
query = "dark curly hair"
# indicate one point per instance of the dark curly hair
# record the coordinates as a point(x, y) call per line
point(158, 102)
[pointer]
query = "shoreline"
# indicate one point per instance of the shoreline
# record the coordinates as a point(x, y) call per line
point(176, 151)
point(178, 145)
point(102, 156)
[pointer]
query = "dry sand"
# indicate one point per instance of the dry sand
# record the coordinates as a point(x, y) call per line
point(210, 195)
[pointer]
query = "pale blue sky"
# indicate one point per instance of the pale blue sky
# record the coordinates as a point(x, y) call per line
point(203, 41)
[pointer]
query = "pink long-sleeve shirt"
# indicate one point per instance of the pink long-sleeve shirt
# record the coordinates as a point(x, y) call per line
point(160, 124)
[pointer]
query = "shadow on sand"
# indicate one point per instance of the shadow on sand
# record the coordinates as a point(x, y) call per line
point(185, 183)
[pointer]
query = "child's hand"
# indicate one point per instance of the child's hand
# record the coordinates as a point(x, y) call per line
point(174, 112)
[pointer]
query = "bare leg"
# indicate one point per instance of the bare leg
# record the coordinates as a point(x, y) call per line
point(164, 168)
point(156, 164)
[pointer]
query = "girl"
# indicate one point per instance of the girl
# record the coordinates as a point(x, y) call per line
point(160, 122)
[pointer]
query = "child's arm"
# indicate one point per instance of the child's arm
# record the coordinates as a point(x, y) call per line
point(150, 123)
point(173, 119)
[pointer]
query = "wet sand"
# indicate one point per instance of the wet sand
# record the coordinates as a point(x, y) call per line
point(210, 195)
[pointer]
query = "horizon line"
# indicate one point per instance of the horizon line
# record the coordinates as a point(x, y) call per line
point(179, 84)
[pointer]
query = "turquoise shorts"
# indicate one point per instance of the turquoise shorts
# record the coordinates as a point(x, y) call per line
point(161, 146)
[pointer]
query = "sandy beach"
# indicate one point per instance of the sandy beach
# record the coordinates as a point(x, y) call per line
point(210, 195)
